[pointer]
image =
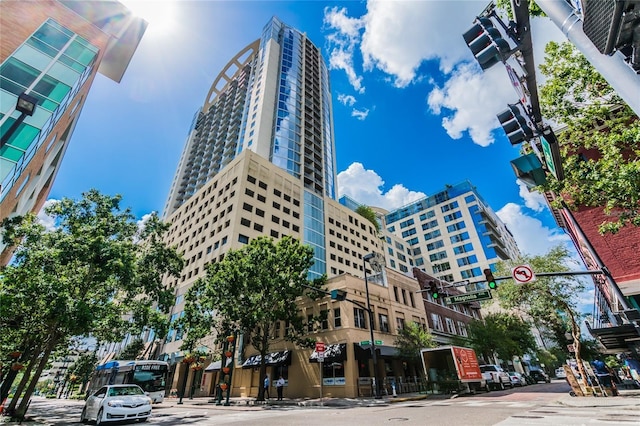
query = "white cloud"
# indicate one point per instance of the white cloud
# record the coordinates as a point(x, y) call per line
point(347, 100)
point(343, 43)
point(396, 37)
point(366, 187)
point(532, 199)
point(470, 100)
point(360, 114)
point(532, 237)
point(45, 220)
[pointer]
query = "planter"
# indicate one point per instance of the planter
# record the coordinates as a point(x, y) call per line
point(230, 339)
point(223, 386)
point(228, 354)
point(16, 366)
point(188, 360)
point(226, 370)
point(15, 354)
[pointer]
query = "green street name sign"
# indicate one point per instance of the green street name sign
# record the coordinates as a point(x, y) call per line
point(365, 342)
point(548, 156)
point(468, 297)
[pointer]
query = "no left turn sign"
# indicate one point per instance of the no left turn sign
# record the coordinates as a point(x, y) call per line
point(523, 274)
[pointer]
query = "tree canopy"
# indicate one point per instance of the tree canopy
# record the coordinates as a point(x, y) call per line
point(411, 339)
point(551, 302)
point(503, 334)
point(368, 213)
point(97, 273)
point(251, 290)
point(600, 141)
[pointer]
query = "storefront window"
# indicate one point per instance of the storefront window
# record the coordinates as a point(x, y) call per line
point(333, 374)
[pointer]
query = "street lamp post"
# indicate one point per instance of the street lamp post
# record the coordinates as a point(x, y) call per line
point(26, 105)
point(373, 260)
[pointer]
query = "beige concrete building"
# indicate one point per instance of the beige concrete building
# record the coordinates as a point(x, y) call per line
point(348, 367)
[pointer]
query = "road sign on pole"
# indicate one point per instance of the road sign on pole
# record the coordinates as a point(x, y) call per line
point(320, 351)
point(523, 274)
point(468, 297)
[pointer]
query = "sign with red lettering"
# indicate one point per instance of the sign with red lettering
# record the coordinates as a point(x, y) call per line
point(466, 363)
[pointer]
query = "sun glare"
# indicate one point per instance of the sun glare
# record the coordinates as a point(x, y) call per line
point(160, 14)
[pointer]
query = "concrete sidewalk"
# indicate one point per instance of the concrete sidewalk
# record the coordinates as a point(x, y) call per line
point(206, 402)
point(627, 400)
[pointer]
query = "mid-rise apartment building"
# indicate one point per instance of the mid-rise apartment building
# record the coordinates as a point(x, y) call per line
point(51, 52)
point(453, 234)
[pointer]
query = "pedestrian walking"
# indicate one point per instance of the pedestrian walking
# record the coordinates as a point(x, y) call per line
point(266, 386)
point(280, 387)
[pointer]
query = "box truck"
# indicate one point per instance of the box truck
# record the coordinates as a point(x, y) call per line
point(452, 369)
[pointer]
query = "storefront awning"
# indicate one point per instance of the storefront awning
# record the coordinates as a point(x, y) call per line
point(363, 352)
point(332, 353)
point(618, 338)
point(214, 366)
point(272, 359)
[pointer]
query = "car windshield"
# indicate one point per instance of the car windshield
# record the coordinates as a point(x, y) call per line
point(125, 390)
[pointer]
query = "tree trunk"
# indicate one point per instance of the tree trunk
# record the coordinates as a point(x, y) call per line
point(24, 402)
point(25, 379)
point(6, 386)
point(263, 365)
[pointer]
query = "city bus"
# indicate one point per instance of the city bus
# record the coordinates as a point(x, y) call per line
point(150, 375)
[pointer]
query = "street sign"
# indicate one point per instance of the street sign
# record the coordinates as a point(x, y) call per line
point(378, 342)
point(365, 342)
point(320, 351)
point(468, 297)
point(523, 274)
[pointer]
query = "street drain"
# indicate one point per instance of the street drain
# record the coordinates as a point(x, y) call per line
point(398, 419)
point(619, 420)
point(544, 412)
point(528, 417)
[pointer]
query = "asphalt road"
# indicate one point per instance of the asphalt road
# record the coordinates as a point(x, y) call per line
point(535, 404)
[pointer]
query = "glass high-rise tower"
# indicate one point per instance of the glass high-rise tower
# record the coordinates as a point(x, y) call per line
point(274, 99)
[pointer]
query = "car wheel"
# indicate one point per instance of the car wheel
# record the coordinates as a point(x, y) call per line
point(501, 385)
point(83, 416)
point(99, 418)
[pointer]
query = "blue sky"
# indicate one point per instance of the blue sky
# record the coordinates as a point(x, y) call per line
point(412, 111)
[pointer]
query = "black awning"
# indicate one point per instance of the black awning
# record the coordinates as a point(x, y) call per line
point(271, 359)
point(363, 352)
point(332, 353)
point(618, 338)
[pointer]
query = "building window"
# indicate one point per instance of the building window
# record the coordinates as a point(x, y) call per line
point(451, 328)
point(437, 322)
point(337, 321)
point(395, 293)
point(400, 323)
point(413, 302)
point(384, 322)
point(462, 329)
point(243, 239)
point(324, 321)
point(358, 318)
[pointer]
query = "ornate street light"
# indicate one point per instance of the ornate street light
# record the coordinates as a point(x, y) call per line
point(376, 261)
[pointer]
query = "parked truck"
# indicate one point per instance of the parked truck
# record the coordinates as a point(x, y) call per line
point(452, 369)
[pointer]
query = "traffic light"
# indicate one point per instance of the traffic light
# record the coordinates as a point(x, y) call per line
point(486, 43)
point(514, 124)
point(338, 295)
point(491, 280)
point(433, 290)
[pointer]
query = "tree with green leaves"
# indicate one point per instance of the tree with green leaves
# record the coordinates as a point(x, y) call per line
point(368, 213)
point(98, 272)
point(84, 367)
point(411, 339)
point(251, 290)
point(501, 334)
point(547, 299)
point(132, 350)
point(597, 121)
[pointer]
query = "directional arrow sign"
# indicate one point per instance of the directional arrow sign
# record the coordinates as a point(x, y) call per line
point(468, 297)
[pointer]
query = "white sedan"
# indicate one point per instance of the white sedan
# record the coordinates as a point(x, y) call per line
point(114, 403)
